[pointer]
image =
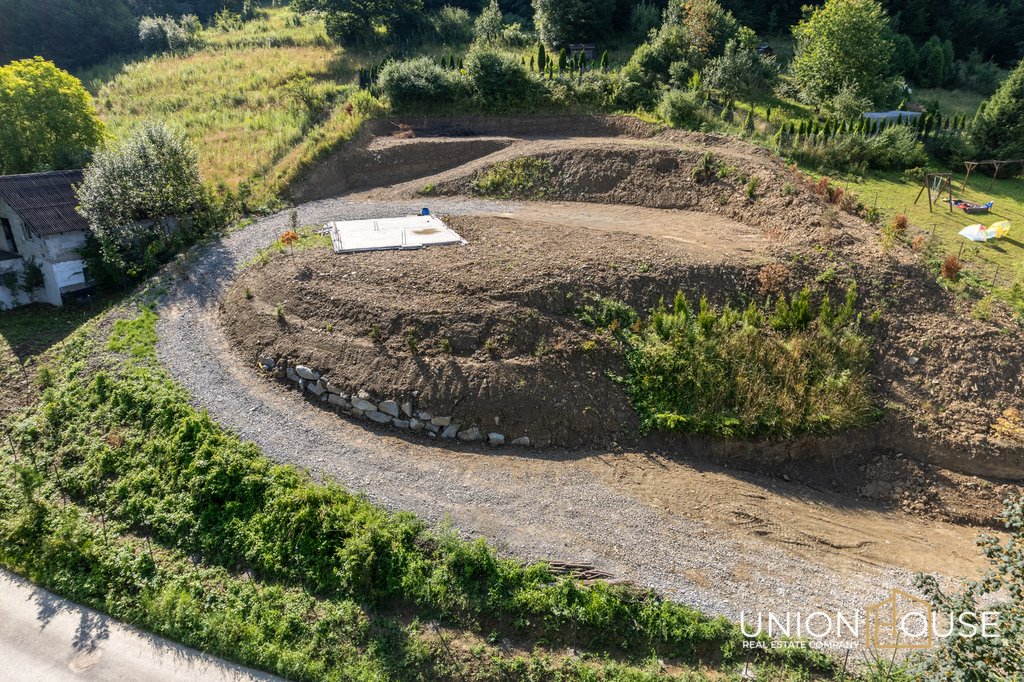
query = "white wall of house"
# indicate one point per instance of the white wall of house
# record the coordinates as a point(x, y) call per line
point(58, 256)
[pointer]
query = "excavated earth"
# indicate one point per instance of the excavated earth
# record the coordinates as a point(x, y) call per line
point(486, 332)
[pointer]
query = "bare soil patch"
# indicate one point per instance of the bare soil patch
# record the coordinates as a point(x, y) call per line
point(488, 332)
point(485, 332)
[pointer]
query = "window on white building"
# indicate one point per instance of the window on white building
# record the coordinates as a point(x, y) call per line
point(8, 233)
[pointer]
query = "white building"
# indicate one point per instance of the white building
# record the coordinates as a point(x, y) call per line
point(40, 226)
point(893, 117)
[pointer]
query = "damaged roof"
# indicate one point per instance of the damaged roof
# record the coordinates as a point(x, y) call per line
point(46, 202)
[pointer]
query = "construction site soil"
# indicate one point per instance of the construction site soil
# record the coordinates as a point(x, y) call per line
point(486, 331)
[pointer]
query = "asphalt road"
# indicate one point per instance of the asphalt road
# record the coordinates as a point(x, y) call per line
point(48, 639)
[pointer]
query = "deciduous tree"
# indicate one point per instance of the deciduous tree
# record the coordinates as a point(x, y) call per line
point(845, 41)
point(561, 22)
point(141, 194)
point(47, 119)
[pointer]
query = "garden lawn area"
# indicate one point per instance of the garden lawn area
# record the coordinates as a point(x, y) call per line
point(950, 101)
point(894, 194)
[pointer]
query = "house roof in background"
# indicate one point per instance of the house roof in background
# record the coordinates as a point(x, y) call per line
point(46, 202)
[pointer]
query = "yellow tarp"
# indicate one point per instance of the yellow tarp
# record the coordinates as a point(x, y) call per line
point(1000, 229)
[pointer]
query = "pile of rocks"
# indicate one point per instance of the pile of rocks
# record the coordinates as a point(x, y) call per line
point(398, 414)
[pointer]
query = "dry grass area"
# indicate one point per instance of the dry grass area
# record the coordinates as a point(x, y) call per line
point(232, 98)
point(232, 103)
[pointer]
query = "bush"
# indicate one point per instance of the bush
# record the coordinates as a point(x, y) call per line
point(963, 655)
point(452, 25)
point(143, 198)
point(522, 178)
point(500, 82)
point(682, 109)
point(741, 72)
point(367, 23)
point(897, 147)
point(847, 104)
point(951, 148)
point(514, 35)
point(159, 34)
point(750, 372)
point(951, 267)
point(420, 84)
point(848, 153)
point(31, 276)
point(978, 75)
point(593, 92)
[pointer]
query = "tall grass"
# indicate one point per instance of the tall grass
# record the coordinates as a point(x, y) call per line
point(232, 103)
point(272, 27)
point(233, 98)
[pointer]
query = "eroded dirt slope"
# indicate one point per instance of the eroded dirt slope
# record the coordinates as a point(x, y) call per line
point(952, 386)
point(486, 332)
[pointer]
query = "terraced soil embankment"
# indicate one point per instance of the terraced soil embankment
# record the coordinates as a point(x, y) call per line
point(700, 534)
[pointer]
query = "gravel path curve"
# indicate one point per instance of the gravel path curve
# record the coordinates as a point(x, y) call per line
point(538, 506)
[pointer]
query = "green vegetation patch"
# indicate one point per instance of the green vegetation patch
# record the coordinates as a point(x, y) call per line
point(724, 371)
point(119, 494)
point(523, 178)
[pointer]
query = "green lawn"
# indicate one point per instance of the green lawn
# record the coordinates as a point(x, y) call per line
point(950, 101)
point(895, 195)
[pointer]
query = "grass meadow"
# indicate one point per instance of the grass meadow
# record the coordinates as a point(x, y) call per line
point(998, 262)
point(233, 97)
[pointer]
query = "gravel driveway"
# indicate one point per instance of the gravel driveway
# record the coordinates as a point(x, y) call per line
point(529, 505)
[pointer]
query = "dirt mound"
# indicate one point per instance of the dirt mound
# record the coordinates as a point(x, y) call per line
point(386, 152)
point(374, 165)
point(748, 191)
point(484, 332)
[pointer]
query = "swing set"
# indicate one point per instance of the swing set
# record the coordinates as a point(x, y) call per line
point(996, 165)
point(936, 182)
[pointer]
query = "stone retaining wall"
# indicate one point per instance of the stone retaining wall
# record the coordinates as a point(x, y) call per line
point(402, 414)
